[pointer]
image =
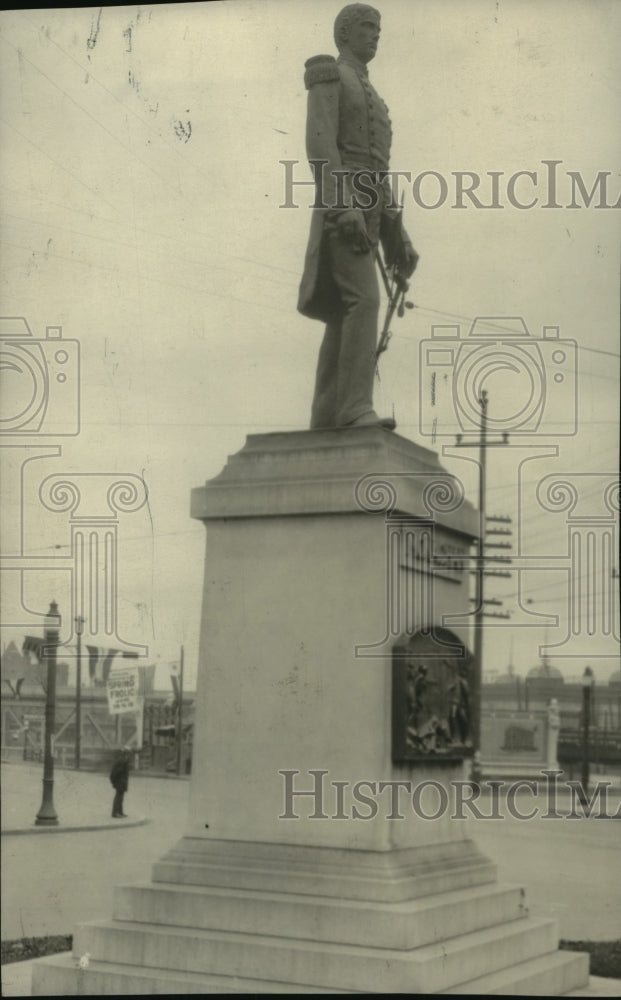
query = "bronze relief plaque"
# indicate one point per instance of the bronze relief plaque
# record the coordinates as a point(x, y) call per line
point(431, 699)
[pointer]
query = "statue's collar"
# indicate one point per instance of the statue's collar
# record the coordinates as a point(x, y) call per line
point(356, 64)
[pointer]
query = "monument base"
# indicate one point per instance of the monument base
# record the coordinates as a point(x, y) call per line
point(329, 553)
point(241, 917)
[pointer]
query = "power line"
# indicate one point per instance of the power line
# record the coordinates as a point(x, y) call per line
point(130, 110)
point(206, 263)
point(152, 278)
point(61, 166)
point(88, 69)
point(81, 108)
point(505, 329)
point(211, 264)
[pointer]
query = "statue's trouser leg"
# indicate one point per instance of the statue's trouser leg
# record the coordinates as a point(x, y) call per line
point(346, 366)
point(323, 411)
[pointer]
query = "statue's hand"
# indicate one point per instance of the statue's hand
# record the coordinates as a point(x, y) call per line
point(409, 260)
point(351, 228)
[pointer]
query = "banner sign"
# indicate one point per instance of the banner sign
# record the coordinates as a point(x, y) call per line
point(122, 688)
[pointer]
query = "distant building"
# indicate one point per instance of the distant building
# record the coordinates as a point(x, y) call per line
point(153, 732)
point(544, 682)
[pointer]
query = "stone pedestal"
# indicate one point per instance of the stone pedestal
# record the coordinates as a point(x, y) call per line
point(305, 866)
point(298, 628)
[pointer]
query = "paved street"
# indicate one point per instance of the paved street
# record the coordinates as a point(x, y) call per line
point(571, 869)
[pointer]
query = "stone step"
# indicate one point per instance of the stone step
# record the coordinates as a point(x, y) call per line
point(59, 976)
point(387, 876)
point(423, 970)
point(546, 976)
point(424, 881)
point(402, 925)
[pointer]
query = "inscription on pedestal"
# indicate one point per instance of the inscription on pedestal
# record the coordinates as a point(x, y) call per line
point(431, 699)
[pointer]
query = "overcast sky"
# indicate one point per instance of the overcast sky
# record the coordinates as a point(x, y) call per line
point(141, 185)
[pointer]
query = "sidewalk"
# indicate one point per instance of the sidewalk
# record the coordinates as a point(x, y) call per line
point(79, 805)
point(55, 877)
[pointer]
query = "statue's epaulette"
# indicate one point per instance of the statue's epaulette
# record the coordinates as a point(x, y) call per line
point(320, 69)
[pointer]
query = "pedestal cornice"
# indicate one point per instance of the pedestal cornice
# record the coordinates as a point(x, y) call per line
point(342, 471)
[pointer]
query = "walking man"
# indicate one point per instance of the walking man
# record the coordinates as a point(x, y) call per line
point(119, 779)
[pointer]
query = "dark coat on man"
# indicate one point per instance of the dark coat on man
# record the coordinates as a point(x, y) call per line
point(119, 775)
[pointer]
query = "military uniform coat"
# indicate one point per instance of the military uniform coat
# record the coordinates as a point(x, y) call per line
point(347, 126)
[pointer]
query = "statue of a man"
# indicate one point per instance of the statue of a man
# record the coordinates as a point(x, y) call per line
point(348, 128)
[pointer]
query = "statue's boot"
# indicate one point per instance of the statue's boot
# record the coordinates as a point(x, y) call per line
point(372, 419)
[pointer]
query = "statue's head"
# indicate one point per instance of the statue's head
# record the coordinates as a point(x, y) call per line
point(357, 29)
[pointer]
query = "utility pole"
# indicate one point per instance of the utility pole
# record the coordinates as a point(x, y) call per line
point(478, 596)
point(79, 624)
point(47, 813)
point(180, 714)
point(479, 614)
point(506, 532)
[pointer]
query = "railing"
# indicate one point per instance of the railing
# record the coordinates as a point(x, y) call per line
point(604, 747)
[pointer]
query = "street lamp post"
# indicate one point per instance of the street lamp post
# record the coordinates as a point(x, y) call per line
point(47, 814)
point(79, 624)
point(587, 688)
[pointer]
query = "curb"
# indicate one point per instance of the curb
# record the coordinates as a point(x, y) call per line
point(141, 821)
